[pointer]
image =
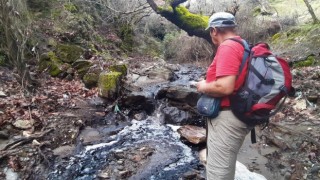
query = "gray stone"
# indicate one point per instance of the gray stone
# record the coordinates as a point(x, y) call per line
point(64, 151)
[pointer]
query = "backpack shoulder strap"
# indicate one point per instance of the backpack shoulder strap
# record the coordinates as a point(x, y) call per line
point(246, 54)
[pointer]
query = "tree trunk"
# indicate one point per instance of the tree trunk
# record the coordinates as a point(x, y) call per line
point(314, 17)
point(193, 24)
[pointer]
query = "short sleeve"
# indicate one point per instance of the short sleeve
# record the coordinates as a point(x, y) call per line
point(228, 60)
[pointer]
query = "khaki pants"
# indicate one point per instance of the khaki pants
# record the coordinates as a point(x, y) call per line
point(225, 137)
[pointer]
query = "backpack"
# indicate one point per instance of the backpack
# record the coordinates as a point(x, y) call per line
point(268, 79)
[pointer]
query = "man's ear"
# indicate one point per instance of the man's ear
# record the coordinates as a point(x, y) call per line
point(213, 31)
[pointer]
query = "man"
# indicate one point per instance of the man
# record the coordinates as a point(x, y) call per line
point(225, 133)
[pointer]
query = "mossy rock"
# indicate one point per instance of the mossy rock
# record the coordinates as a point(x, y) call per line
point(122, 68)
point(310, 61)
point(82, 66)
point(108, 84)
point(69, 53)
point(90, 79)
point(51, 62)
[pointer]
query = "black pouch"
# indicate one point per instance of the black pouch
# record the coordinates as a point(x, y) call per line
point(208, 106)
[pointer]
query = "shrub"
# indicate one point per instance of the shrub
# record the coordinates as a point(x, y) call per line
point(181, 48)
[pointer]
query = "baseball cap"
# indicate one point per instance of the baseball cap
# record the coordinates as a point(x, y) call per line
point(222, 19)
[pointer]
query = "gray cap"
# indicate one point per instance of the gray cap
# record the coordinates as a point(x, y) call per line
point(221, 19)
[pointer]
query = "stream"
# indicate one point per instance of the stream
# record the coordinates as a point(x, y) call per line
point(123, 146)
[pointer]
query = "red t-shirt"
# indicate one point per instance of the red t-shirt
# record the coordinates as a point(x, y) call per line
point(226, 62)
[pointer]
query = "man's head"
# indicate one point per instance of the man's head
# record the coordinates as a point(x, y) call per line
point(221, 23)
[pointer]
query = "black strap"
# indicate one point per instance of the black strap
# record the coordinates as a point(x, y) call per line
point(247, 53)
point(262, 79)
point(253, 135)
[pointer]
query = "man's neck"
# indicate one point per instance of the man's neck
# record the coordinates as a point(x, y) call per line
point(226, 36)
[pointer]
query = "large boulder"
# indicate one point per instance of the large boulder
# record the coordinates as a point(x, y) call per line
point(50, 62)
point(109, 84)
point(180, 94)
point(68, 53)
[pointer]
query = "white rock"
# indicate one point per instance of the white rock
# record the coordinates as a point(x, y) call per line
point(10, 174)
point(2, 94)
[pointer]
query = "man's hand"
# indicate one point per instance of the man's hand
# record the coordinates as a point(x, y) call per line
point(223, 86)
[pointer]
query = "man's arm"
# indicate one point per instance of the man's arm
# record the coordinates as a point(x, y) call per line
point(223, 86)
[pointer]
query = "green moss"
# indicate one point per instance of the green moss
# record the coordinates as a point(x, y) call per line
point(91, 79)
point(108, 84)
point(122, 68)
point(310, 61)
point(50, 62)
point(71, 7)
point(276, 36)
point(256, 11)
point(192, 20)
point(69, 53)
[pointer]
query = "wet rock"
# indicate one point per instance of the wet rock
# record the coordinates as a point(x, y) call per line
point(180, 94)
point(23, 124)
point(175, 116)
point(64, 151)
point(124, 174)
point(190, 175)
point(104, 175)
point(149, 76)
point(138, 101)
point(193, 134)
